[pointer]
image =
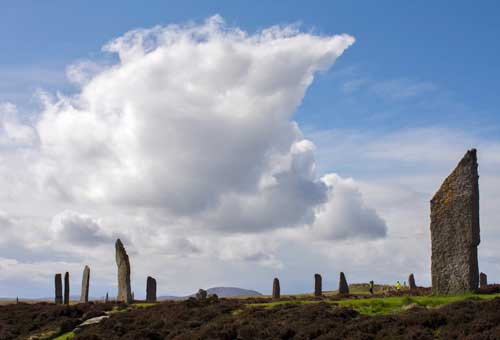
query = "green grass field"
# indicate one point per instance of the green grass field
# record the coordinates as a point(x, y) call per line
point(386, 305)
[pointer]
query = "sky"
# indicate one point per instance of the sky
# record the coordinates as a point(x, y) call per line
point(227, 143)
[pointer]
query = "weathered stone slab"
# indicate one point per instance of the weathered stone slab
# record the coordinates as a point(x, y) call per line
point(483, 280)
point(276, 288)
point(84, 297)
point(150, 289)
point(123, 263)
point(411, 282)
point(58, 289)
point(343, 286)
point(89, 322)
point(318, 286)
point(66, 288)
point(455, 230)
point(93, 321)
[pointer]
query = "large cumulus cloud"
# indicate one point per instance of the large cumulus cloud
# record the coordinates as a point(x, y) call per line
point(185, 146)
point(193, 120)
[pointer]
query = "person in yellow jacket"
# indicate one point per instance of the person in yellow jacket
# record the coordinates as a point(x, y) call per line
point(398, 285)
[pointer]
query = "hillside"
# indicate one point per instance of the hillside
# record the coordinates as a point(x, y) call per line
point(220, 291)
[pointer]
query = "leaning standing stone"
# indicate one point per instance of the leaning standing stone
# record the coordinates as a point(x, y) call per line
point(455, 230)
point(150, 289)
point(483, 280)
point(66, 288)
point(318, 290)
point(411, 282)
point(58, 286)
point(122, 261)
point(276, 288)
point(84, 297)
point(343, 286)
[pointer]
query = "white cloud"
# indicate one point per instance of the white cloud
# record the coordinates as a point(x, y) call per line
point(193, 120)
point(346, 216)
point(249, 248)
point(81, 72)
point(79, 229)
point(14, 133)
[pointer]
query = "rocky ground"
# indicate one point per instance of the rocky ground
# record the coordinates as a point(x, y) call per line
point(236, 319)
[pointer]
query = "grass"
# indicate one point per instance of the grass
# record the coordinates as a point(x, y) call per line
point(395, 304)
point(143, 304)
point(65, 336)
point(387, 305)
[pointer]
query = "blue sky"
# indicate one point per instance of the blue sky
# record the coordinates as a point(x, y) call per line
point(228, 196)
point(448, 48)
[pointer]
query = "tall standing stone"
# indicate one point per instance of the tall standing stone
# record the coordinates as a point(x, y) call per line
point(455, 230)
point(122, 261)
point(411, 282)
point(343, 286)
point(107, 298)
point(84, 297)
point(276, 289)
point(150, 289)
point(66, 288)
point(58, 287)
point(318, 289)
point(483, 280)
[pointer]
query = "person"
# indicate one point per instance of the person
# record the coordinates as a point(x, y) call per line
point(371, 287)
point(398, 285)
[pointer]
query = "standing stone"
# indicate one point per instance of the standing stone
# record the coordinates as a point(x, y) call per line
point(455, 230)
point(343, 286)
point(318, 290)
point(150, 289)
point(411, 282)
point(122, 261)
point(276, 289)
point(483, 280)
point(107, 298)
point(58, 285)
point(84, 298)
point(66, 288)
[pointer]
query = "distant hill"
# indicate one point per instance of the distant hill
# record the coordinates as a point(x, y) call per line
point(231, 292)
point(220, 291)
